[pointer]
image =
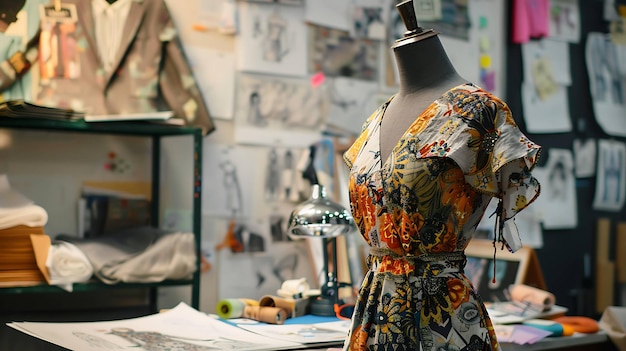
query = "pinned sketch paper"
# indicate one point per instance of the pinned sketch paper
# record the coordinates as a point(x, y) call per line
point(606, 77)
point(565, 20)
point(610, 189)
point(546, 116)
point(558, 201)
point(232, 192)
point(585, 157)
point(552, 55)
point(274, 110)
point(272, 39)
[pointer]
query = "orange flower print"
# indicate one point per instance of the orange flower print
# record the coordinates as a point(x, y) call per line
point(458, 292)
point(422, 121)
point(358, 340)
point(389, 233)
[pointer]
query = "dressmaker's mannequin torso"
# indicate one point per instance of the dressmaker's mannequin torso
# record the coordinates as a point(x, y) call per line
point(425, 72)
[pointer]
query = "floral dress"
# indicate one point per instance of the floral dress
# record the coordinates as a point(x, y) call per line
point(418, 210)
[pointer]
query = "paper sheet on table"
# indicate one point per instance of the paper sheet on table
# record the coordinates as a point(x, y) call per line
point(182, 327)
point(302, 333)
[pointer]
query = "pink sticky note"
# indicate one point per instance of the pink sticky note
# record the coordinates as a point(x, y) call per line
point(317, 79)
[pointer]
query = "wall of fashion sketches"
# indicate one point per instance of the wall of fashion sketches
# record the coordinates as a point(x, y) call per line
point(281, 77)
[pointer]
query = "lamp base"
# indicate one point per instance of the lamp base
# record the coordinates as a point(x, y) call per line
point(322, 306)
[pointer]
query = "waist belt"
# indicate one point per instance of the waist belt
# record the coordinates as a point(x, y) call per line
point(427, 264)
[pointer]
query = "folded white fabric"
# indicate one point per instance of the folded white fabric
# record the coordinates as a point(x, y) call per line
point(16, 209)
point(67, 264)
point(29, 215)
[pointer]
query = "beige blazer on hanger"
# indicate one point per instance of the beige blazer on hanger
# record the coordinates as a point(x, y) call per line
point(150, 72)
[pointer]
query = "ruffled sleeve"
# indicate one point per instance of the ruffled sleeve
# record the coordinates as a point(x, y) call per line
point(504, 161)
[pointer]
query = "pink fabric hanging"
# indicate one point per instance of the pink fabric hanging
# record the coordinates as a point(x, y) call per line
point(531, 19)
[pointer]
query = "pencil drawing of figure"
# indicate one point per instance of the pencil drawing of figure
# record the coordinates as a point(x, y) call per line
point(612, 175)
point(604, 58)
point(558, 181)
point(232, 186)
point(255, 116)
point(276, 44)
point(272, 176)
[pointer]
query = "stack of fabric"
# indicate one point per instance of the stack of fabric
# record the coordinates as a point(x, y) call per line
point(19, 219)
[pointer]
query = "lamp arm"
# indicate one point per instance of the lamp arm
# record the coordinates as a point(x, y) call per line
point(309, 172)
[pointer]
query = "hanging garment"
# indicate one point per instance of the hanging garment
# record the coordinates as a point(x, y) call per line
point(149, 72)
point(418, 210)
point(531, 19)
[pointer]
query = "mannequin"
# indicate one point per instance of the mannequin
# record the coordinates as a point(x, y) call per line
point(425, 71)
point(422, 172)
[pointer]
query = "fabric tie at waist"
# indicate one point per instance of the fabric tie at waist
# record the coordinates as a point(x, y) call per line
point(427, 264)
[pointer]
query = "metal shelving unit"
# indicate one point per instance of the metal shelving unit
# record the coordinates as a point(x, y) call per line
point(156, 132)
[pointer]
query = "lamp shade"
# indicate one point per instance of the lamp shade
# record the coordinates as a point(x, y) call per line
point(319, 217)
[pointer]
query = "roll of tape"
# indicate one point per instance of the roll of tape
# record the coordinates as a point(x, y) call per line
point(275, 301)
point(271, 315)
point(295, 286)
point(233, 308)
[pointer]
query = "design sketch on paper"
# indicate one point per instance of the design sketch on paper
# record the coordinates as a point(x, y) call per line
point(565, 20)
point(270, 109)
point(228, 191)
point(155, 341)
point(180, 328)
point(558, 202)
point(282, 103)
point(606, 76)
point(272, 39)
point(610, 189)
point(283, 175)
point(604, 59)
point(335, 53)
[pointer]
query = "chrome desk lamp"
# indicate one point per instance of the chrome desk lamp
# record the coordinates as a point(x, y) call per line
point(320, 217)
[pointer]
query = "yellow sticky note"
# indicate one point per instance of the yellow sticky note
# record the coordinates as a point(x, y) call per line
point(485, 61)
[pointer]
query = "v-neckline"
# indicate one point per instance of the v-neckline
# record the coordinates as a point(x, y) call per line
point(381, 115)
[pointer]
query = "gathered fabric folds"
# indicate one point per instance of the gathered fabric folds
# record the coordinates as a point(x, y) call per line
point(139, 255)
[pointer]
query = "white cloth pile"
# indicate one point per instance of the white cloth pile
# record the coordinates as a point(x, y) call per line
point(140, 255)
point(16, 209)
